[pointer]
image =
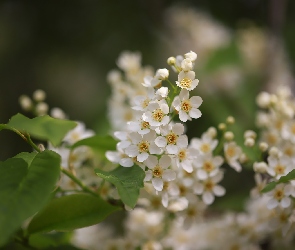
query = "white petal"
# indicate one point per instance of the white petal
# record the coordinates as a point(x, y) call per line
point(142, 157)
point(165, 161)
point(148, 175)
point(194, 84)
point(217, 161)
point(184, 94)
point(126, 162)
point(218, 190)
point(208, 198)
point(113, 156)
point(158, 184)
point(272, 203)
point(132, 151)
point(182, 141)
point(183, 116)
point(169, 175)
point(154, 149)
point(121, 135)
point(195, 113)
point(172, 149)
point(285, 202)
point(202, 174)
point(198, 188)
point(165, 108)
point(161, 141)
point(196, 101)
point(178, 128)
point(187, 166)
point(151, 161)
point(165, 199)
point(176, 103)
point(123, 144)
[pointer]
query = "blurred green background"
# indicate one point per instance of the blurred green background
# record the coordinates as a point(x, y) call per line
point(67, 48)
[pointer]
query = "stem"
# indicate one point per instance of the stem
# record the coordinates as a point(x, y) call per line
point(29, 140)
point(172, 85)
point(78, 182)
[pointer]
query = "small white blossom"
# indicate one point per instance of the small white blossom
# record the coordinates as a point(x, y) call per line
point(187, 107)
point(142, 146)
point(232, 153)
point(171, 138)
point(191, 55)
point(207, 166)
point(280, 196)
point(186, 80)
point(158, 171)
point(157, 113)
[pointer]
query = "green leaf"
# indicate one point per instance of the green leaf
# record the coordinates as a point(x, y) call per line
point(25, 189)
point(290, 176)
point(128, 182)
point(71, 212)
point(270, 186)
point(27, 157)
point(97, 142)
point(42, 127)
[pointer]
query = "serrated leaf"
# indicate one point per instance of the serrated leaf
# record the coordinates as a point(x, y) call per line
point(42, 127)
point(25, 189)
point(71, 212)
point(270, 186)
point(128, 182)
point(97, 142)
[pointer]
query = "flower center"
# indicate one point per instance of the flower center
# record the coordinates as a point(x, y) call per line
point(208, 166)
point(186, 106)
point(209, 185)
point(145, 103)
point(230, 152)
point(186, 82)
point(293, 129)
point(145, 125)
point(279, 194)
point(182, 154)
point(171, 138)
point(157, 171)
point(205, 148)
point(143, 146)
point(158, 115)
point(279, 169)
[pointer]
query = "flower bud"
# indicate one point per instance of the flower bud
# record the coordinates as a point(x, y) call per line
point(229, 136)
point(260, 167)
point(39, 95)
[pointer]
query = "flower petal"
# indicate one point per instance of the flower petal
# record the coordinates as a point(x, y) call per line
point(158, 184)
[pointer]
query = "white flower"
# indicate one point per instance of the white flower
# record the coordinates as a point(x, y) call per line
point(78, 133)
point(163, 92)
point(186, 80)
point(207, 166)
point(157, 113)
point(184, 158)
point(140, 126)
point(158, 172)
point(232, 153)
point(209, 188)
point(172, 138)
point(191, 55)
point(142, 146)
point(280, 196)
point(151, 82)
point(288, 131)
point(129, 61)
point(141, 102)
point(205, 145)
point(187, 108)
point(162, 74)
point(186, 65)
point(119, 157)
point(279, 166)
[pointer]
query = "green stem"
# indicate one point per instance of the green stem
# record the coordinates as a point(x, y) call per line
point(78, 182)
point(172, 85)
